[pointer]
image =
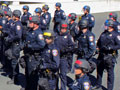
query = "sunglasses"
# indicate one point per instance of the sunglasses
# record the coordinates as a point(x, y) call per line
point(46, 37)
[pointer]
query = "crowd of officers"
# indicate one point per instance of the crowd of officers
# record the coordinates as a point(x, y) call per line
point(47, 55)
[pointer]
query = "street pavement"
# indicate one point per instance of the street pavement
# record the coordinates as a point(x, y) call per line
point(100, 19)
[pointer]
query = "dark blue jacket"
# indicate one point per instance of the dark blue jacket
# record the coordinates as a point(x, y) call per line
point(59, 16)
point(82, 83)
point(47, 17)
point(35, 39)
point(90, 18)
point(51, 57)
point(86, 44)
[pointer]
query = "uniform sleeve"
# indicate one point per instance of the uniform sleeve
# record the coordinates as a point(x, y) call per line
point(63, 16)
point(71, 43)
point(18, 33)
point(43, 24)
point(117, 43)
point(75, 86)
point(47, 18)
point(86, 85)
point(40, 43)
point(56, 58)
point(92, 21)
point(91, 47)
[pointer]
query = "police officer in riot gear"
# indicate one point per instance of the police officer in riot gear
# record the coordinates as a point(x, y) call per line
point(72, 26)
point(59, 15)
point(25, 20)
point(89, 17)
point(108, 43)
point(86, 42)
point(25, 16)
point(5, 6)
point(82, 81)
point(113, 16)
point(32, 50)
point(43, 23)
point(51, 61)
point(46, 15)
point(65, 43)
point(15, 37)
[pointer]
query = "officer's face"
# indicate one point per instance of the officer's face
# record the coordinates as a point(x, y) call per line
point(43, 10)
point(13, 17)
point(57, 8)
point(48, 40)
point(38, 14)
point(31, 24)
point(63, 30)
point(85, 11)
point(110, 29)
point(7, 16)
point(24, 10)
point(78, 71)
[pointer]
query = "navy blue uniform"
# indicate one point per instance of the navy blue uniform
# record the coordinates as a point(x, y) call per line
point(47, 17)
point(74, 30)
point(82, 83)
point(25, 18)
point(51, 62)
point(65, 43)
point(33, 48)
point(25, 21)
point(58, 17)
point(116, 25)
point(86, 45)
point(43, 24)
point(5, 8)
point(91, 20)
point(13, 53)
point(108, 43)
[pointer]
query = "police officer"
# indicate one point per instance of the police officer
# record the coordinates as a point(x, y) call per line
point(73, 26)
point(33, 48)
point(51, 60)
point(59, 15)
point(89, 17)
point(108, 43)
point(8, 15)
point(113, 16)
point(46, 15)
point(6, 31)
point(43, 23)
point(15, 38)
point(65, 43)
point(86, 43)
point(5, 7)
point(25, 16)
point(25, 19)
point(82, 81)
point(3, 21)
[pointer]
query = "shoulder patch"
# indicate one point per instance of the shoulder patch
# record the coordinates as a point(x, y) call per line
point(63, 13)
point(86, 85)
point(65, 36)
point(91, 38)
point(18, 27)
point(40, 37)
point(92, 18)
point(118, 37)
point(118, 28)
point(3, 21)
point(55, 52)
point(44, 21)
point(46, 16)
